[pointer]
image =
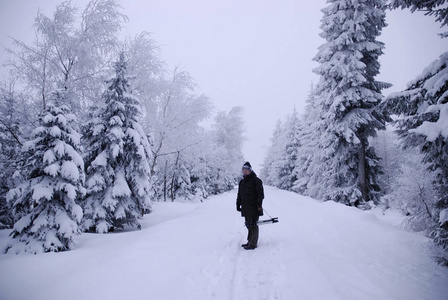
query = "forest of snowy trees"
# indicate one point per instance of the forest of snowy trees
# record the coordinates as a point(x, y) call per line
point(94, 128)
point(357, 147)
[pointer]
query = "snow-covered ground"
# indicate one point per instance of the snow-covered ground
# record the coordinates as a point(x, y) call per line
point(192, 251)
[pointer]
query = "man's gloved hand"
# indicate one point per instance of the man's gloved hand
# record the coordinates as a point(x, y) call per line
point(238, 207)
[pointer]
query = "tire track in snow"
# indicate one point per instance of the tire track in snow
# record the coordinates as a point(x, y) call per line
point(213, 278)
point(269, 281)
point(234, 275)
point(253, 276)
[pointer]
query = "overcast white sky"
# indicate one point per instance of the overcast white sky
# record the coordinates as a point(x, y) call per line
point(251, 53)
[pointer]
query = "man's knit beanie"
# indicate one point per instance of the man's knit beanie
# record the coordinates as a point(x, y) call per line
point(247, 166)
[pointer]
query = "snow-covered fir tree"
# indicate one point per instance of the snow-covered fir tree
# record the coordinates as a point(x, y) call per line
point(118, 157)
point(45, 207)
point(346, 168)
point(423, 124)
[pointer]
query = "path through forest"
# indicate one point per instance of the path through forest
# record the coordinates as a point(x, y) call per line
point(192, 251)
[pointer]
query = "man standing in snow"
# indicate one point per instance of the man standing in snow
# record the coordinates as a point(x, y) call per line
point(249, 202)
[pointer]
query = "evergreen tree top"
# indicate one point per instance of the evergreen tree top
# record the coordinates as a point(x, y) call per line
point(350, 29)
point(118, 96)
point(349, 58)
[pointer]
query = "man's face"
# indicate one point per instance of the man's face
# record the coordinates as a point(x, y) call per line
point(246, 172)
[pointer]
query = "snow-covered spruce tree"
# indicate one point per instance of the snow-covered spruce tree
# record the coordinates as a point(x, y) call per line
point(282, 167)
point(181, 182)
point(346, 168)
point(273, 153)
point(424, 124)
point(45, 205)
point(117, 159)
point(291, 151)
point(307, 139)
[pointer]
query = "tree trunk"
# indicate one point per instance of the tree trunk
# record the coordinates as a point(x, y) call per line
point(172, 188)
point(153, 166)
point(164, 188)
point(422, 198)
point(164, 183)
point(174, 176)
point(362, 170)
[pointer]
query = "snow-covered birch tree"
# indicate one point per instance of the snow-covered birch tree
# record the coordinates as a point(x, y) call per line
point(225, 155)
point(177, 135)
point(71, 49)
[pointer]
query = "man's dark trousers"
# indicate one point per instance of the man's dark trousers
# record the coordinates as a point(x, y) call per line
point(252, 227)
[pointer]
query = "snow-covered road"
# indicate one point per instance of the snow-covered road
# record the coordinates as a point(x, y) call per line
point(192, 251)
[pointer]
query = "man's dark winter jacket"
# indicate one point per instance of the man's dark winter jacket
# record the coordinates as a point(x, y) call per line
point(250, 195)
